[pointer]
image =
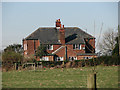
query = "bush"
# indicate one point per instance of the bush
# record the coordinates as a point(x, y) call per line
point(108, 60)
point(9, 58)
point(52, 65)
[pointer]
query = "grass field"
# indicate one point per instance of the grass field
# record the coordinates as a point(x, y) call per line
point(107, 77)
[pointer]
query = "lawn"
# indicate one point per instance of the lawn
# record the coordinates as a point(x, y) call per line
point(107, 77)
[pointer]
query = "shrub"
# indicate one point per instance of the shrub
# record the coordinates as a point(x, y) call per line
point(9, 58)
point(108, 60)
point(52, 65)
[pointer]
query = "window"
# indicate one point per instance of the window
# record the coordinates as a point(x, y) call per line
point(83, 47)
point(44, 59)
point(50, 47)
point(59, 58)
point(77, 46)
point(87, 57)
point(72, 58)
point(25, 46)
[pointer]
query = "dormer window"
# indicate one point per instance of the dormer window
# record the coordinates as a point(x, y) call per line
point(50, 47)
point(77, 46)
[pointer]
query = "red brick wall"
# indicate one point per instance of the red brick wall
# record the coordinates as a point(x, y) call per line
point(70, 51)
point(30, 46)
point(82, 57)
point(54, 48)
point(70, 47)
point(90, 45)
point(60, 53)
point(92, 42)
point(51, 58)
point(62, 36)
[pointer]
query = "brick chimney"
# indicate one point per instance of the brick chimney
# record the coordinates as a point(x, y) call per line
point(58, 24)
point(62, 35)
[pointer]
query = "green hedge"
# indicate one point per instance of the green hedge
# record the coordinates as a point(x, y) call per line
point(105, 60)
point(109, 60)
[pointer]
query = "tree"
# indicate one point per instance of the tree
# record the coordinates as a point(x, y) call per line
point(108, 42)
point(9, 58)
point(41, 51)
point(15, 48)
point(12, 54)
point(116, 49)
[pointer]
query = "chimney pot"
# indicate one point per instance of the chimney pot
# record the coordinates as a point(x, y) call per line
point(63, 26)
point(58, 24)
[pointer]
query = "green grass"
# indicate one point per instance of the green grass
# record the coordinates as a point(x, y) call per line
point(107, 77)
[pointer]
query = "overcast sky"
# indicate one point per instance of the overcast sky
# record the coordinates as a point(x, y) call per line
point(19, 19)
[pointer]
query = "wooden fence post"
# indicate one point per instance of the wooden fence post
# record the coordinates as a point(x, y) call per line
point(91, 81)
point(15, 66)
point(34, 66)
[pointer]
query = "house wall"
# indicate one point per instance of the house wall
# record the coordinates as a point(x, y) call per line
point(82, 56)
point(31, 47)
point(33, 44)
point(50, 58)
point(92, 42)
point(90, 45)
point(55, 47)
point(71, 52)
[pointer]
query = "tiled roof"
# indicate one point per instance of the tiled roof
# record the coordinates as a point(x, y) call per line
point(73, 35)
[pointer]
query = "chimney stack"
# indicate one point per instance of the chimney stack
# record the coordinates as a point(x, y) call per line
point(61, 32)
point(63, 26)
point(62, 35)
point(58, 24)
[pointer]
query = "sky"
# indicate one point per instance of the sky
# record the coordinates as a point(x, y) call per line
point(119, 20)
point(19, 19)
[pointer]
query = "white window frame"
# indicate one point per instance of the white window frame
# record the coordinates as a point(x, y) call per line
point(72, 57)
point(87, 57)
point(83, 48)
point(59, 58)
point(44, 59)
point(77, 46)
point(25, 46)
point(50, 47)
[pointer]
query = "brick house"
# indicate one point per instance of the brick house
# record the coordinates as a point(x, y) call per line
point(63, 43)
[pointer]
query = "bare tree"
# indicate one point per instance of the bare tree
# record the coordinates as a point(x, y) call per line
point(108, 42)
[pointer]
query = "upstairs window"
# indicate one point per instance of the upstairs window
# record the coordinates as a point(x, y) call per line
point(50, 47)
point(77, 46)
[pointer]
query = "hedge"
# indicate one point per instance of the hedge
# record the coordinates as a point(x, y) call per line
point(105, 60)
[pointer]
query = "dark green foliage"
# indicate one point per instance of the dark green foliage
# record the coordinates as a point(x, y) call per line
point(14, 48)
point(0, 59)
point(108, 60)
point(12, 54)
point(41, 51)
point(9, 58)
point(104, 60)
point(52, 65)
point(116, 49)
